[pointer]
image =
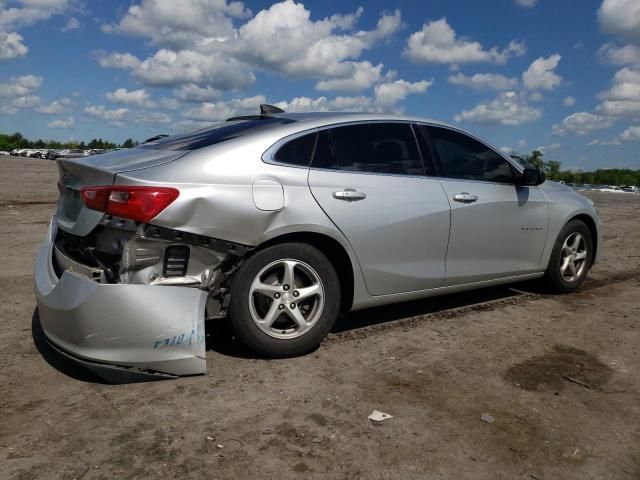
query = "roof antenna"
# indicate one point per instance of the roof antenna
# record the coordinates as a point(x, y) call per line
point(266, 109)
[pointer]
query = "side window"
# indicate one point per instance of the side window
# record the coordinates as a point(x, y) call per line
point(464, 157)
point(386, 148)
point(298, 151)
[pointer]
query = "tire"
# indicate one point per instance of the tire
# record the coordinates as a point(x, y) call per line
point(265, 314)
point(566, 280)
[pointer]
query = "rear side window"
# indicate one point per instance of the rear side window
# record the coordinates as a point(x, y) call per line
point(218, 133)
point(297, 152)
point(385, 148)
point(466, 158)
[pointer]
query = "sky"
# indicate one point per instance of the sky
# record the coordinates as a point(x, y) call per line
point(561, 76)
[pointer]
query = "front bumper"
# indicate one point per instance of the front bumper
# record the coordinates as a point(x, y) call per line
point(141, 328)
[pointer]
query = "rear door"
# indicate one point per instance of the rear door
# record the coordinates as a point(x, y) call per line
point(498, 228)
point(370, 180)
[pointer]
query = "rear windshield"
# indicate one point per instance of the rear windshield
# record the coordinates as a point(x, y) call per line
point(217, 133)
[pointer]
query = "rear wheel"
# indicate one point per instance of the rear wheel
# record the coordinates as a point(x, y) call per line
point(571, 258)
point(284, 300)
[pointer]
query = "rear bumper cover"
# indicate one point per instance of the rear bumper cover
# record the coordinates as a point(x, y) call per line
point(146, 328)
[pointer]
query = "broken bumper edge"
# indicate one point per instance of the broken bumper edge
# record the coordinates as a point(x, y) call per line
point(141, 329)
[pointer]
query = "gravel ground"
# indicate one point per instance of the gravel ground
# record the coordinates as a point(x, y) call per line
point(555, 377)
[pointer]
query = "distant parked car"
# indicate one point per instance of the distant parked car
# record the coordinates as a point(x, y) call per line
point(72, 153)
point(611, 189)
point(630, 189)
point(3, 153)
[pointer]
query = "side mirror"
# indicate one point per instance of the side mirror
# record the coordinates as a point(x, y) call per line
point(531, 177)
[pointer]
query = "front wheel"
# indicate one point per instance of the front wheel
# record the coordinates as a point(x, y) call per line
point(571, 258)
point(284, 300)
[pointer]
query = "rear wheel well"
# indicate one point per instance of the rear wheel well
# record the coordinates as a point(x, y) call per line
point(336, 254)
point(591, 225)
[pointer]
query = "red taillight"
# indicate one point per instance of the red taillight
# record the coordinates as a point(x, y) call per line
point(136, 203)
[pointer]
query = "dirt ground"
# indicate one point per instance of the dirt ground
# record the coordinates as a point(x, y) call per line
point(559, 375)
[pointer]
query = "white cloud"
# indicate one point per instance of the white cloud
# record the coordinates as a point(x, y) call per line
point(169, 68)
point(623, 98)
point(152, 118)
point(62, 123)
point(11, 46)
point(283, 39)
point(484, 81)
point(323, 104)
point(20, 86)
point(31, 12)
point(509, 108)
point(385, 98)
point(541, 75)
point(180, 24)
point(72, 24)
point(626, 55)
point(631, 134)
point(364, 76)
point(199, 44)
point(117, 60)
point(26, 102)
point(215, 111)
point(437, 42)
point(581, 123)
point(548, 148)
point(526, 3)
point(27, 13)
point(140, 98)
point(194, 93)
point(621, 17)
point(536, 97)
point(569, 101)
point(55, 107)
point(389, 94)
point(114, 117)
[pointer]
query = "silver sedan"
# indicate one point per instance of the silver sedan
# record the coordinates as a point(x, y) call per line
point(282, 221)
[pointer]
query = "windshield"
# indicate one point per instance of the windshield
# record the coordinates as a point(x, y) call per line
point(217, 133)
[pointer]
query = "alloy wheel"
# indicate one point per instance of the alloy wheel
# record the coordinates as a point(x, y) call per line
point(286, 298)
point(573, 257)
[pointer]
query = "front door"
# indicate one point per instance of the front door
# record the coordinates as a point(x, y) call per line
point(498, 229)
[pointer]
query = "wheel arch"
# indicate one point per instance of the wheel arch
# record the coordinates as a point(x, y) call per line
point(335, 253)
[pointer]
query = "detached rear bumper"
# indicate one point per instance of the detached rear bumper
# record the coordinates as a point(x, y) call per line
point(143, 328)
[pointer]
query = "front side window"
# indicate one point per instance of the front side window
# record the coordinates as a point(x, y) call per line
point(466, 158)
point(385, 148)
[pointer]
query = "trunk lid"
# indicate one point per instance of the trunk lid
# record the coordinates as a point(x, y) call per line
point(98, 170)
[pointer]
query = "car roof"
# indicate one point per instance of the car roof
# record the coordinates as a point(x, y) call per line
point(338, 117)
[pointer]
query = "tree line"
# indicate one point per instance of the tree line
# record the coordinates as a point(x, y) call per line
point(11, 142)
point(602, 176)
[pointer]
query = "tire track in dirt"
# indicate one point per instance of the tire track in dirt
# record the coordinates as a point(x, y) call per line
point(521, 298)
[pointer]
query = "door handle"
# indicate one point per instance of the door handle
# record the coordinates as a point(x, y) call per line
point(349, 194)
point(465, 197)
